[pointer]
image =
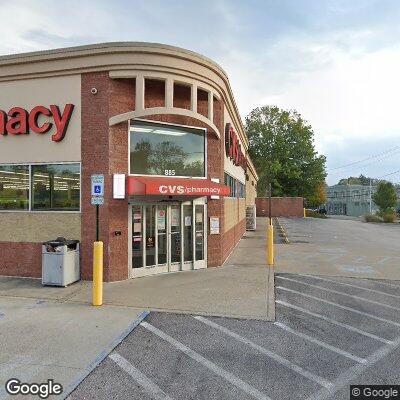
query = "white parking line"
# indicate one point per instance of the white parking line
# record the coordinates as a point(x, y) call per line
point(340, 293)
point(350, 285)
point(352, 373)
point(245, 387)
point(149, 386)
point(334, 322)
point(331, 303)
point(320, 343)
point(288, 364)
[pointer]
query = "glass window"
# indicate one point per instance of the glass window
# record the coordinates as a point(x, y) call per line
point(157, 149)
point(14, 187)
point(56, 187)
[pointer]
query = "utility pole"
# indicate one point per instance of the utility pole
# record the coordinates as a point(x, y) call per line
point(370, 196)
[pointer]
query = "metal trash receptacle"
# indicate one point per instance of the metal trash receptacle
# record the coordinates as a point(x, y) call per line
point(60, 262)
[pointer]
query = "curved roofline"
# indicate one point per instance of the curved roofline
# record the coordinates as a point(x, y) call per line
point(110, 46)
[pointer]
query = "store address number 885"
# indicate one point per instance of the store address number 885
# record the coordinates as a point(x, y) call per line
point(169, 172)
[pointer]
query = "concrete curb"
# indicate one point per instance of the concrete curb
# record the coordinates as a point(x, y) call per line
point(95, 363)
point(271, 294)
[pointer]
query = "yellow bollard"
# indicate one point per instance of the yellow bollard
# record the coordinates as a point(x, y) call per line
point(304, 213)
point(97, 273)
point(270, 250)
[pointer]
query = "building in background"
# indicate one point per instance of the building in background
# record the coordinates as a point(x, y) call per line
point(160, 124)
point(352, 200)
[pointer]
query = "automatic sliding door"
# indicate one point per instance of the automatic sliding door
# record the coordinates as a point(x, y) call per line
point(188, 232)
point(199, 231)
point(150, 235)
point(137, 237)
point(162, 234)
point(175, 229)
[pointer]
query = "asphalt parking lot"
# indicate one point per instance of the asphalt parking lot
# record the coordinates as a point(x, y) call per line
point(339, 247)
point(329, 333)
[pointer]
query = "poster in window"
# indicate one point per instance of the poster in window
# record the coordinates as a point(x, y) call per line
point(175, 216)
point(188, 220)
point(199, 217)
point(137, 227)
point(161, 219)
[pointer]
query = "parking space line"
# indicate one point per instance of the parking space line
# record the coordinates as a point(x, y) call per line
point(149, 386)
point(321, 344)
point(340, 293)
point(334, 322)
point(350, 285)
point(228, 376)
point(331, 303)
point(288, 364)
point(352, 373)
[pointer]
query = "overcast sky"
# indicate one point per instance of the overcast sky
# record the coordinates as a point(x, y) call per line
point(336, 62)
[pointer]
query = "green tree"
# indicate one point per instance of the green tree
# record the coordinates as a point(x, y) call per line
point(281, 146)
point(385, 197)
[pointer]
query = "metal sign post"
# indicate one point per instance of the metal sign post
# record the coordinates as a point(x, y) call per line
point(97, 200)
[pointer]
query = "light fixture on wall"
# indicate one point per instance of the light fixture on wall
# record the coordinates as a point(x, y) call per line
point(93, 90)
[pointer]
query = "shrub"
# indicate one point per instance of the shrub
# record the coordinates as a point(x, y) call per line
point(372, 218)
point(388, 216)
point(314, 214)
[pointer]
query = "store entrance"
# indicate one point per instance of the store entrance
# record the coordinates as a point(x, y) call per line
point(167, 237)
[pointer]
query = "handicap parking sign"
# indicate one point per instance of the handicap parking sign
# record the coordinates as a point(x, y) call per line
point(97, 185)
point(97, 189)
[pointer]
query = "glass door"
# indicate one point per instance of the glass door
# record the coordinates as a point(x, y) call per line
point(175, 237)
point(168, 237)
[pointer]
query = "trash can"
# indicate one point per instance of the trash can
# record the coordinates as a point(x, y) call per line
point(60, 262)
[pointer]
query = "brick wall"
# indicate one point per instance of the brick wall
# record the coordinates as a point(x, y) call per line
point(21, 259)
point(280, 206)
point(105, 151)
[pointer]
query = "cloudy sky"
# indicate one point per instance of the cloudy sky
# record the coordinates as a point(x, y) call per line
point(336, 62)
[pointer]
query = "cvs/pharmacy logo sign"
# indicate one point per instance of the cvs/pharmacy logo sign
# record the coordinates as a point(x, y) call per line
point(40, 120)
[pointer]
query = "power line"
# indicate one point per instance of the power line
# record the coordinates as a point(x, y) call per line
point(391, 173)
point(366, 159)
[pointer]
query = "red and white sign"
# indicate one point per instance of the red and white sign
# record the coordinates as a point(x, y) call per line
point(175, 187)
point(18, 121)
point(233, 148)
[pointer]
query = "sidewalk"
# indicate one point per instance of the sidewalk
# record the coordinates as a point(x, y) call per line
point(242, 288)
point(51, 332)
point(45, 337)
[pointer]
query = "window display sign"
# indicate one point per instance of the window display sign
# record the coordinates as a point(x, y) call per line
point(214, 225)
point(175, 216)
point(161, 219)
point(188, 221)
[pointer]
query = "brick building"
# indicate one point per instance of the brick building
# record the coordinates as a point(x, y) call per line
point(158, 120)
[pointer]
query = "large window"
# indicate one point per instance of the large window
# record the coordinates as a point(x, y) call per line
point(14, 187)
point(238, 189)
point(157, 149)
point(56, 187)
point(47, 187)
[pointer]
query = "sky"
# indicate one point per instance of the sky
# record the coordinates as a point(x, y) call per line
point(336, 62)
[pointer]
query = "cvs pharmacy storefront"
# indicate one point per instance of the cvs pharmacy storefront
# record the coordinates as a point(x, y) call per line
point(159, 123)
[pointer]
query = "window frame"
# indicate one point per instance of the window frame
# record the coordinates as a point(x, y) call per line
point(132, 121)
point(30, 209)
